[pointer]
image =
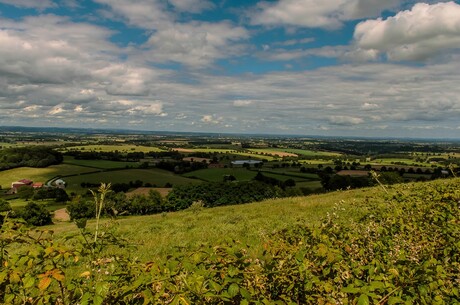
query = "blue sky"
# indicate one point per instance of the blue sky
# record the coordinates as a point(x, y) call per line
point(332, 67)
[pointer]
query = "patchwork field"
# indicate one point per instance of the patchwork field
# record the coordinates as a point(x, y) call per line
point(121, 148)
point(309, 153)
point(217, 174)
point(100, 164)
point(156, 177)
point(40, 174)
point(401, 161)
point(272, 152)
point(225, 151)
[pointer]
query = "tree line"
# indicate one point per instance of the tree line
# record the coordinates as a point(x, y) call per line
point(32, 156)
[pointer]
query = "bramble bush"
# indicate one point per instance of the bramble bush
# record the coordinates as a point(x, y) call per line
point(404, 251)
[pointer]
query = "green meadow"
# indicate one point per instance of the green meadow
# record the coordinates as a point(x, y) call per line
point(308, 153)
point(217, 174)
point(40, 174)
point(156, 177)
point(100, 164)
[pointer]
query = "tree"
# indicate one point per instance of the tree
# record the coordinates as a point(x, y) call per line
point(25, 192)
point(36, 215)
point(4, 207)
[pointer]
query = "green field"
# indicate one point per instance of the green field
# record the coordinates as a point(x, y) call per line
point(400, 161)
point(308, 153)
point(293, 173)
point(39, 174)
point(224, 151)
point(7, 145)
point(273, 152)
point(217, 174)
point(50, 205)
point(101, 164)
point(156, 177)
point(313, 185)
point(122, 148)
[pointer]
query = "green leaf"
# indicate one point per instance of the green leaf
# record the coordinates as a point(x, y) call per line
point(98, 300)
point(363, 300)
point(350, 289)
point(233, 290)
point(28, 282)
point(245, 293)
point(395, 300)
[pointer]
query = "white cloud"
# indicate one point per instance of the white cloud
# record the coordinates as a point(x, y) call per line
point(37, 4)
point(369, 106)
point(56, 110)
point(328, 14)
point(211, 119)
point(342, 120)
point(242, 103)
point(196, 43)
point(149, 14)
point(192, 6)
point(423, 32)
point(154, 108)
point(345, 53)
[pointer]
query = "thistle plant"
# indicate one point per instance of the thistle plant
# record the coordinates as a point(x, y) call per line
point(451, 167)
point(375, 176)
point(99, 198)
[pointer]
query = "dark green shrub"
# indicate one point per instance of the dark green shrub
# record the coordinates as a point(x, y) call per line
point(81, 208)
point(35, 214)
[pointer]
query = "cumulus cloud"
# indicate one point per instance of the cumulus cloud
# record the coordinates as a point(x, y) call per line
point(152, 109)
point(192, 6)
point(242, 103)
point(423, 32)
point(342, 52)
point(196, 43)
point(329, 14)
point(36, 4)
point(369, 106)
point(149, 14)
point(342, 120)
point(211, 119)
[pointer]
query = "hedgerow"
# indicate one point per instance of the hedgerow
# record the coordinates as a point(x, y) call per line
point(405, 251)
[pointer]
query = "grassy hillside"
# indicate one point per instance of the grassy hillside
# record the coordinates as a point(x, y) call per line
point(368, 246)
point(157, 235)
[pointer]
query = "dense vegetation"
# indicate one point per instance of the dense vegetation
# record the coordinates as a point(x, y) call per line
point(218, 194)
point(404, 251)
point(180, 198)
point(33, 156)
